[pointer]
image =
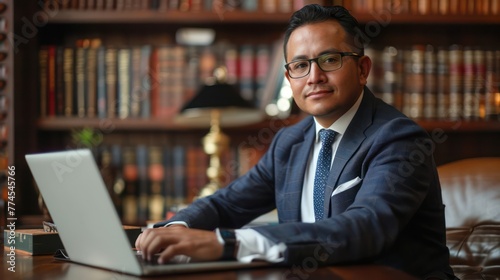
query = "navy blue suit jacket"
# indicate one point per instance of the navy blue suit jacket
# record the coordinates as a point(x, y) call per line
point(394, 215)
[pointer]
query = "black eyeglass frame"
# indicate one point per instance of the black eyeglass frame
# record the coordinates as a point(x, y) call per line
point(315, 59)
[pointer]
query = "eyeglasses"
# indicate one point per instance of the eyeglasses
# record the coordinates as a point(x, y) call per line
point(326, 62)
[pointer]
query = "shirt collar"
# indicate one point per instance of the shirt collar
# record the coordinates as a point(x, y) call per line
point(340, 125)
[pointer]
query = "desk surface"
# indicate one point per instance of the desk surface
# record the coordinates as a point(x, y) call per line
point(45, 267)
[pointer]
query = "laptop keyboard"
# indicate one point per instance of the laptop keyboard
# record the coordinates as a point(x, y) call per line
point(154, 260)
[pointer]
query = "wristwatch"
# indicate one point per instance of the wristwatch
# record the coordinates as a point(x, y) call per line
point(230, 244)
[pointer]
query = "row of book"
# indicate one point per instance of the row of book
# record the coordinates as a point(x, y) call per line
point(92, 80)
point(446, 82)
point(147, 181)
point(269, 6)
point(423, 7)
point(428, 7)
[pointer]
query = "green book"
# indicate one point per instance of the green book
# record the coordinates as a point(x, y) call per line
point(39, 242)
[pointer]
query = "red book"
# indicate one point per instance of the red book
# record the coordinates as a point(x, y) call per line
point(51, 82)
point(154, 82)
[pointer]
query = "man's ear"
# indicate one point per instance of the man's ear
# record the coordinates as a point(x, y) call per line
point(364, 66)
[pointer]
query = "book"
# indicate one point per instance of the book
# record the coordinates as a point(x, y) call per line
point(479, 83)
point(246, 77)
point(51, 81)
point(130, 192)
point(443, 83)
point(38, 242)
point(101, 83)
point(111, 79)
point(80, 65)
point(142, 183)
point(456, 74)
point(91, 82)
point(135, 82)
point(430, 96)
point(492, 85)
point(123, 88)
point(414, 89)
point(43, 54)
point(145, 85)
point(262, 64)
point(179, 175)
point(156, 176)
point(68, 77)
point(59, 81)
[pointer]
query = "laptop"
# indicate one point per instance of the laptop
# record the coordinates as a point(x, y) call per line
point(88, 224)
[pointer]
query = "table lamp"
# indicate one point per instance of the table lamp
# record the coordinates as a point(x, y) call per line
point(217, 104)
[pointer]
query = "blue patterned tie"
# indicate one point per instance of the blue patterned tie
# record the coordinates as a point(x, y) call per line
point(322, 170)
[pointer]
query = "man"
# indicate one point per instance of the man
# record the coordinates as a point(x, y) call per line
point(379, 202)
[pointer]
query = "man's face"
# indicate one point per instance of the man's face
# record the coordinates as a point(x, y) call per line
point(326, 95)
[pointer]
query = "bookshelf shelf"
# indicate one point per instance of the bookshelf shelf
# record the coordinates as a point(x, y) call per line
point(62, 124)
point(410, 19)
point(462, 126)
point(177, 17)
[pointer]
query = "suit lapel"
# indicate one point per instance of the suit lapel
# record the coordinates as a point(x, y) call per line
point(298, 160)
point(349, 144)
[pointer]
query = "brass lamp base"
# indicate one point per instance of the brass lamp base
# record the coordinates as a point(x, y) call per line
point(215, 143)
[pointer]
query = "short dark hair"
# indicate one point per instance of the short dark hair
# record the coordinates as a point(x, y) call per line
point(314, 13)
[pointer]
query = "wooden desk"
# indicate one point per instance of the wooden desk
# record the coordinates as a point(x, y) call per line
point(45, 267)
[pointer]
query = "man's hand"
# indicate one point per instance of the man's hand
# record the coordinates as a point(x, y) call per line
point(200, 245)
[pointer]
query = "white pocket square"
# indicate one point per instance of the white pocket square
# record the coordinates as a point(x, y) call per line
point(347, 185)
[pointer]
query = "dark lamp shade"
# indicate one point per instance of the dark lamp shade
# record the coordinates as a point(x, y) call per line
point(234, 110)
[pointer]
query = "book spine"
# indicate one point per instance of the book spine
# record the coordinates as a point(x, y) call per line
point(456, 81)
point(430, 95)
point(135, 78)
point(246, 78)
point(179, 175)
point(145, 83)
point(101, 83)
point(143, 183)
point(80, 80)
point(111, 82)
point(43, 54)
point(156, 175)
point(177, 73)
point(60, 81)
point(415, 82)
point(68, 81)
point(479, 83)
point(51, 81)
point(130, 176)
point(388, 74)
point(164, 102)
point(443, 84)
point(119, 180)
point(123, 90)
point(91, 82)
point(154, 82)
point(491, 86)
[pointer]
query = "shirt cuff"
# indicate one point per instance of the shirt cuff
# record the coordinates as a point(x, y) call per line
point(254, 246)
point(177, 223)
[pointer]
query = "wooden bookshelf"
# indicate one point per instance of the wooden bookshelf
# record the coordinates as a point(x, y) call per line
point(465, 138)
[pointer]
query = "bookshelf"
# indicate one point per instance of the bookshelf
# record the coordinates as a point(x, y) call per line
point(425, 23)
point(8, 188)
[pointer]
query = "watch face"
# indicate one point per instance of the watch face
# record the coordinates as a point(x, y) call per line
point(228, 234)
